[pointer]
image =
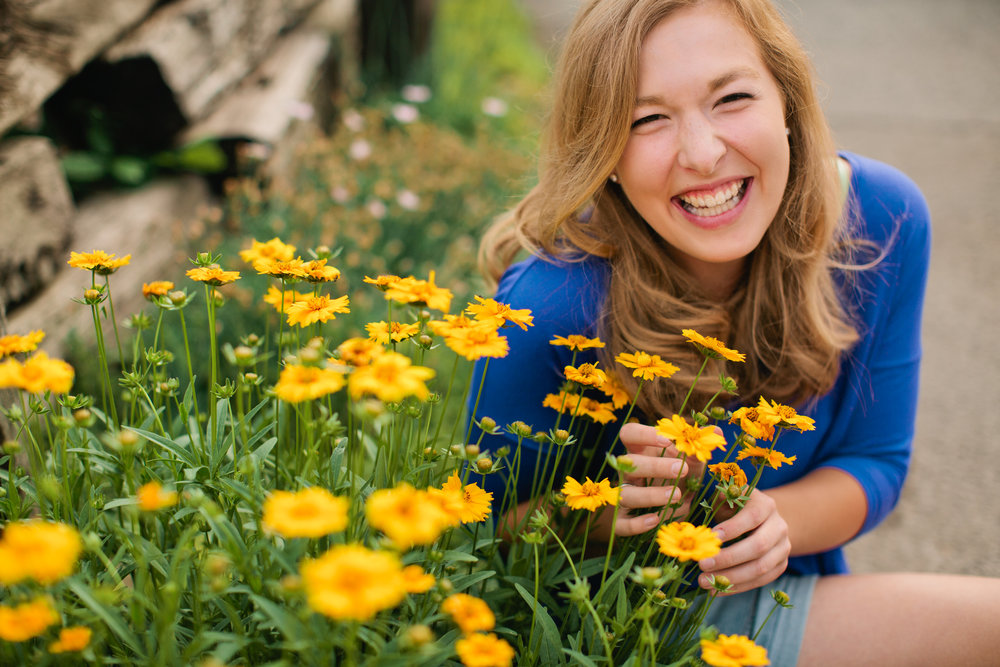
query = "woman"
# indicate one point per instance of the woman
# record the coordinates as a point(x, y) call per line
point(689, 181)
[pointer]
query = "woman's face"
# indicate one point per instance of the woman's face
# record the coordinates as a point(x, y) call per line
point(707, 158)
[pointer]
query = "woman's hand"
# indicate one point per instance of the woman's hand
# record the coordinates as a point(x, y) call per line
point(648, 489)
point(757, 559)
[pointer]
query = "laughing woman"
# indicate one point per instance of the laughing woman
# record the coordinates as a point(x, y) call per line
point(689, 181)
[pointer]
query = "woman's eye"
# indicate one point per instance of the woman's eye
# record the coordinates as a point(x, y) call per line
point(647, 119)
point(734, 97)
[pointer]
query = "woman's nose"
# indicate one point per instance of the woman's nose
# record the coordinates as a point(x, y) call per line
point(700, 148)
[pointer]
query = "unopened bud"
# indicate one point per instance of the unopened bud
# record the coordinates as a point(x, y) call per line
point(244, 355)
point(718, 413)
point(92, 296)
point(781, 597)
point(177, 297)
point(560, 436)
point(484, 465)
point(83, 417)
point(487, 424)
point(417, 636)
point(472, 451)
point(520, 429)
point(11, 447)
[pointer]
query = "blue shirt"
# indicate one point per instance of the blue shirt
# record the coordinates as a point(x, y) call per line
point(864, 425)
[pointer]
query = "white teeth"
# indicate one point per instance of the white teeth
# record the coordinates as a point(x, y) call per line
point(720, 202)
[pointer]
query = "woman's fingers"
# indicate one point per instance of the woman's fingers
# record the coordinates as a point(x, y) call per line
point(635, 497)
point(648, 468)
point(640, 439)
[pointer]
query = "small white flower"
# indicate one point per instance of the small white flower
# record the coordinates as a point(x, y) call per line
point(300, 110)
point(377, 208)
point(415, 93)
point(408, 200)
point(353, 120)
point(405, 113)
point(340, 194)
point(360, 150)
point(494, 106)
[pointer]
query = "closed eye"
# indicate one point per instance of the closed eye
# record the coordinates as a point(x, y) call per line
point(734, 97)
point(647, 119)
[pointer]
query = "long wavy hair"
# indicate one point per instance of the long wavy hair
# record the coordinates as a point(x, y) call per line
point(787, 315)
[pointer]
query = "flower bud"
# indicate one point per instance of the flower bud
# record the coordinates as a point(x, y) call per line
point(446, 586)
point(92, 296)
point(456, 450)
point(720, 582)
point(560, 436)
point(781, 597)
point(177, 297)
point(502, 452)
point(472, 451)
point(244, 355)
point(679, 603)
point(49, 487)
point(520, 429)
point(11, 447)
point(625, 463)
point(425, 341)
point(92, 541)
point(718, 413)
point(417, 636)
point(487, 424)
point(484, 465)
point(308, 355)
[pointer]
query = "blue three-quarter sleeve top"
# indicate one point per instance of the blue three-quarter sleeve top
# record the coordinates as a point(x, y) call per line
point(864, 425)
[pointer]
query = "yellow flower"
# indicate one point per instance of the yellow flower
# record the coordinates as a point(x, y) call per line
point(733, 651)
point(784, 416)
point(646, 366)
point(416, 580)
point(14, 344)
point(156, 288)
point(467, 503)
point(407, 515)
point(589, 495)
point(26, 620)
point(71, 639)
point(614, 389)
point(753, 423)
point(213, 275)
point(487, 650)
point(351, 582)
point(291, 269)
point(390, 332)
point(576, 342)
point(39, 550)
point(454, 325)
point(500, 313)
point(273, 249)
point(310, 512)
point(771, 457)
point(382, 282)
point(304, 383)
point(712, 347)
point(316, 309)
point(98, 261)
point(274, 298)
point(152, 496)
point(586, 374)
point(476, 342)
point(693, 440)
point(419, 292)
point(317, 271)
point(390, 377)
point(575, 404)
point(685, 541)
point(729, 472)
point(469, 613)
point(39, 373)
point(358, 351)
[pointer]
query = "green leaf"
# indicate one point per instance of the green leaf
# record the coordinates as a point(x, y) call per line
point(110, 618)
point(129, 170)
point(580, 658)
point(180, 452)
point(83, 167)
point(551, 642)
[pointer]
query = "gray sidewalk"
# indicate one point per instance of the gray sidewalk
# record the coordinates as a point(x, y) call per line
point(915, 83)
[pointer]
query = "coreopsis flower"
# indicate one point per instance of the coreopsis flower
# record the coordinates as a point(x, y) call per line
point(212, 275)
point(15, 344)
point(470, 614)
point(71, 640)
point(454, 325)
point(771, 457)
point(358, 351)
point(390, 377)
point(576, 404)
point(712, 347)
point(419, 292)
point(586, 374)
point(784, 416)
point(316, 309)
point(416, 580)
point(589, 495)
point(391, 332)
point(733, 651)
point(500, 313)
point(280, 300)
point(407, 516)
point(646, 366)
point(476, 342)
point(613, 388)
point(98, 261)
point(310, 512)
point(576, 342)
point(157, 288)
point(685, 541)
point(317, 271)
point(467, 503)
point(39, 373)
point(382, 282)
point(484, 650)
point(729, 472)
point(26, 620)
point(290, 269)
point(353, 583)
point(39, 550)
point(305, 383)
point(753, 422)
point(152, 496)
point(690, 439)
point(275, 249)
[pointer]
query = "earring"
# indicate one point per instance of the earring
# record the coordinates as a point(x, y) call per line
point(613, 177)
point(788, 132)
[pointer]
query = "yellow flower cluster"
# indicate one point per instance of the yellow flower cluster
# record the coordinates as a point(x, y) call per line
point(310, 512)
point(26, 620)
point(468, 503)
point(212, 275)
point(416, 292)
point(577, 404)
point(474, 617)
point(98, 261)
point(38, 550)
point(390, 377)
point(14, 344)
point(39, 373)
point(304, 383)
point(352, 582)
point(409, 517)
point(71, 640)
point(151, 497)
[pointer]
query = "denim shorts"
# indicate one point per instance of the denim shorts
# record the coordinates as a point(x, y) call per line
point(742, 614)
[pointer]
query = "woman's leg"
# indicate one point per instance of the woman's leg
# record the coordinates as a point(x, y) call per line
point(903, 619)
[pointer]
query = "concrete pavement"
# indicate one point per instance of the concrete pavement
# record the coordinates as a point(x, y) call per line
point(915, 83)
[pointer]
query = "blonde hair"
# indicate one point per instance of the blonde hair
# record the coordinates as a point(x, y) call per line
point(787, 315)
